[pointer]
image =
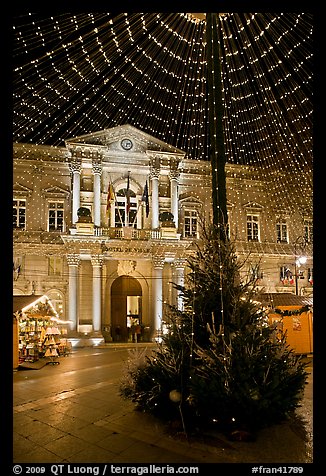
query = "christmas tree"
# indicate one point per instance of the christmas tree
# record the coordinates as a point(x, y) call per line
point(219, 363)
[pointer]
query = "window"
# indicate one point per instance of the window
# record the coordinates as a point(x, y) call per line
point(123, 216)
point(55, 266)
point(282, 231)
point(190, 223)
point(253, 227)
point(57, 302)
point(308, 230)
point(286, 276)
point(310, 276)
point(255, 272)
point(55, 219)
point(19, 213)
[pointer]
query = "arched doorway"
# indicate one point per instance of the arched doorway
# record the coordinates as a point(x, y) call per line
point(126, 307)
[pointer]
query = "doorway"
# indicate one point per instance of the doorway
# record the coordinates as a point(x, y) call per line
point(126, 307)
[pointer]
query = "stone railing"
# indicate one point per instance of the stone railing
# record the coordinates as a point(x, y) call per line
point(127, 233)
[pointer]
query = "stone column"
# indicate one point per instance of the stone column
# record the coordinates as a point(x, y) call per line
point(179, 267)
point(73, 265)
point(154, 177)
point(97, 262)
point(158, 263)
point(75, 169)
point(174, 177)
point(97, 171)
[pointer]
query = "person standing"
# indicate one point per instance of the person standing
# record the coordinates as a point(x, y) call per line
point(138, 332)
point(133, 331)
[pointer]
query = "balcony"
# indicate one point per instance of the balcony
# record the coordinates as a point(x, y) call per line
point(127, 233)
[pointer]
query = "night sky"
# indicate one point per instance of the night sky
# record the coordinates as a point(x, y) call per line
point(77, 73)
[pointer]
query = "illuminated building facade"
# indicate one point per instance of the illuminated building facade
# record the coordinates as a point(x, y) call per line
point(105, 224)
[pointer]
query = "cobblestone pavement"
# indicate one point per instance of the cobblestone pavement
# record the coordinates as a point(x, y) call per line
point(73, 413)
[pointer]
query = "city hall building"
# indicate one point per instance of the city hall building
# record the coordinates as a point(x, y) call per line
point(104, 227)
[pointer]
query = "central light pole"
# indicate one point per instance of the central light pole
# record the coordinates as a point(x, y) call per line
point(216, 136)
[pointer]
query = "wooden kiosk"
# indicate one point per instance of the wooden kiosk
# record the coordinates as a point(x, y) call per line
point(294, 316)
point(36, 333)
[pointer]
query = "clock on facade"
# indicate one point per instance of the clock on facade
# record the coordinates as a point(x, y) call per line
point(126, 144)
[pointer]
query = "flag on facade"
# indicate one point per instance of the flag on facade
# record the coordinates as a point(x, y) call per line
point(145, 199)
point(128, 195)
point(110, 198)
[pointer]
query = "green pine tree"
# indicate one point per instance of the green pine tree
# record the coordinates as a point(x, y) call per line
point(220, 362)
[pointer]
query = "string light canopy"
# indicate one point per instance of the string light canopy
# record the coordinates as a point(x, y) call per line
point(81, 73)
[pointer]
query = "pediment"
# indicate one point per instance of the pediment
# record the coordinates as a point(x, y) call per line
point(111, 140)
point(21, 190)
point(253, 206)
point(282, 212)
point(55, 192)
point(190, 200)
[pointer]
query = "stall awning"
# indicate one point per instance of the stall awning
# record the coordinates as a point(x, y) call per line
point(19, 302)
point(275, 300)
point(39, 307)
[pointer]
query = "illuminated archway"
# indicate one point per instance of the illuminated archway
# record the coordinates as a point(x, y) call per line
point(126, 306)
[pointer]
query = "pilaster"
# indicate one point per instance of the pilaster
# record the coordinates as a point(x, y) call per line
point(73, 261)
point(154, 178)
point(158, 263)
point(97, 171)
point(97, 262)
point(75, 169)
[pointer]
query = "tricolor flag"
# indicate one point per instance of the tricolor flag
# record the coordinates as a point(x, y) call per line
point(128, 195)
point(109, 199)
point(144, 198)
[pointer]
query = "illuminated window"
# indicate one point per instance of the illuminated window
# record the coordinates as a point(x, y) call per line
point(190, 223)
point(253, 227)
point(123, 216)
point(286, 275)
point(282, 231)
point(55, 217)
point(57, 302)
point(19, 214)
point(310, 275)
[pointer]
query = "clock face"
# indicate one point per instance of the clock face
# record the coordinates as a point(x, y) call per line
point(126, 144)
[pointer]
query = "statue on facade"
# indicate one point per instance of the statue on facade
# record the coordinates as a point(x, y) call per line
point(84, 215)
point(167, 219)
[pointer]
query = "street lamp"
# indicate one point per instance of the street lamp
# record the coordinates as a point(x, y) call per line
point(298, 259)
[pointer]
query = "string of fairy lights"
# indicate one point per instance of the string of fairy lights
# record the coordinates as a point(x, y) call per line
point(150, 69)
point(74, 74)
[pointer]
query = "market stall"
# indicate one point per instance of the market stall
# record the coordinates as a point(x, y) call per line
point(39, 334)
point(293, 316)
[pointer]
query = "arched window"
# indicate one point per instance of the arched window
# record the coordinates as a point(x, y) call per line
point(57, 301)
point(126, 208)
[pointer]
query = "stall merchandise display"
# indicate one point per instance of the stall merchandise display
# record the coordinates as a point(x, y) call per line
point(51, 343)
point(38, 338)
